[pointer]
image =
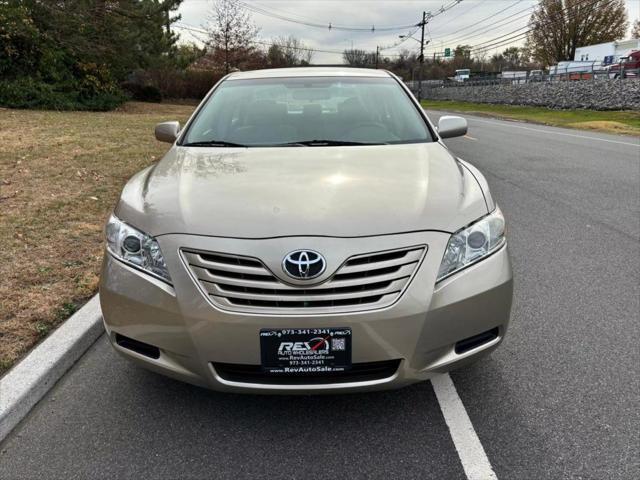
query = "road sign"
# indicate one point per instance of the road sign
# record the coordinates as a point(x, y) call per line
point(447, 52)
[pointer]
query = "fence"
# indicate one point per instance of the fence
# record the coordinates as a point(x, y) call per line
point(606, 94)
point(562, 75)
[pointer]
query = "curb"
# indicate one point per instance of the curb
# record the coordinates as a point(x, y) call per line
point(31, 378)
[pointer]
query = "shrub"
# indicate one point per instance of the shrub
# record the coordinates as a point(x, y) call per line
point(173, 83)
point(101, 103)
point(31, 93)
point(142, 93)
point(149, 93)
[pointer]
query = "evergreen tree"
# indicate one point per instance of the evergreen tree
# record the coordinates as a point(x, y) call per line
point(74, 53)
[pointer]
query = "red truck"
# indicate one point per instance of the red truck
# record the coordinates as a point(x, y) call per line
point(629, 66)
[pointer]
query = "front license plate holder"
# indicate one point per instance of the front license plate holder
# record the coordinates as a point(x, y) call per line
point(305, 351)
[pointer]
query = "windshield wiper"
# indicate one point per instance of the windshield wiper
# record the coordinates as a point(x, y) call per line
point(302, 143)
point(212, 143)
point(325, 143)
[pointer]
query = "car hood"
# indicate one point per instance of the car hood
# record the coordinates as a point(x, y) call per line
point(303, 191)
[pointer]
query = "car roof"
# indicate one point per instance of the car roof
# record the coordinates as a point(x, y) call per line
point(309, 72)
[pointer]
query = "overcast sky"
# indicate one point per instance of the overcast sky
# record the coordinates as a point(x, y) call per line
point(469, 22)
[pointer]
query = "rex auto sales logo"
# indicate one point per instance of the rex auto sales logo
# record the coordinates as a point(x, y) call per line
point(315, 346)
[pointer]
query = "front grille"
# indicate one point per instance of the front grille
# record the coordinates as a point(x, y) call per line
point(366, 281)
point(359, 372)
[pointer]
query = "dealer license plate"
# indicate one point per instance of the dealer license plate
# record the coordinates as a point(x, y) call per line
point(305, 350)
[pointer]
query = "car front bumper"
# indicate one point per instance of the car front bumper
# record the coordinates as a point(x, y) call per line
point(420, 330)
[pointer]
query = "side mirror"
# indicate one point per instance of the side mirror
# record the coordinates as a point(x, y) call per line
point(167, 131)
point(450, 126)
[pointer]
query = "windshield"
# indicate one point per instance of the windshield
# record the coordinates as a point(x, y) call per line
point(315, 111)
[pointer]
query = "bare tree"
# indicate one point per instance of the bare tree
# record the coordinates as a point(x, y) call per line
point(558, 27)
point(510, 58)
point(635, 31)
point(231, 33)
point(403, 64)
point(355, 57)
point(288, 52)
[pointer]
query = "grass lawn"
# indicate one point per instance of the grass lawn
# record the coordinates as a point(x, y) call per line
point(621, 122)
point(60, 175)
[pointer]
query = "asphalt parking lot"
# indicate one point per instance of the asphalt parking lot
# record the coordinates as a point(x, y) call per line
point(559, 399)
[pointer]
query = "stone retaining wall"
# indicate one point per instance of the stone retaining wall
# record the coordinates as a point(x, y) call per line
point(591, 94)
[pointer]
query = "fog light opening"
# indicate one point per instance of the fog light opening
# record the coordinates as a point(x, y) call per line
point(138, 347)
point(477, 340)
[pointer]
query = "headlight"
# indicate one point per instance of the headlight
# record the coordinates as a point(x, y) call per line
point(136, 248)
point(473, 243)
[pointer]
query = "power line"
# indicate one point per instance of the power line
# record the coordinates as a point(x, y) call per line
point(327, 25)
point(513, 36)
point(441, 10)
point(506, 41)
point(477, 4)
point(483, 30)
point(483, 46)
point(264, 10)
point(404, 39)
point(305, 49)
point(488, 18)
point(427, 16)
point(302, 21)
point(195, 30)
point(191, 30)
point(500, 40)
point(351, 28)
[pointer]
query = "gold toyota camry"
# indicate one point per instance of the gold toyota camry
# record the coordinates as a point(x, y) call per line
point(307, 231)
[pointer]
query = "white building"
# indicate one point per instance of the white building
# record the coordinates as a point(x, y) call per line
point(606, 53)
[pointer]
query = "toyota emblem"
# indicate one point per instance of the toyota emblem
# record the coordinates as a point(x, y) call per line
point(304, 264)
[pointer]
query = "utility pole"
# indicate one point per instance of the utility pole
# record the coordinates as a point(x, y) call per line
point(377, 54)
point(423, 23)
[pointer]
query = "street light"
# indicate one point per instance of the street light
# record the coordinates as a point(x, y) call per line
point(409, 36)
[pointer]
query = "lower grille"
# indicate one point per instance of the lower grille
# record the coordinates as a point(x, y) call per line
point(307, 303)
point(372, 280)
point(359, 372)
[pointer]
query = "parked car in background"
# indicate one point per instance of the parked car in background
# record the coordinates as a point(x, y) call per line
point(462, 75)
point(536, 75)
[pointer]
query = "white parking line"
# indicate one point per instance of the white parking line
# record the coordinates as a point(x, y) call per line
point(507, 124)
point(474, 460)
